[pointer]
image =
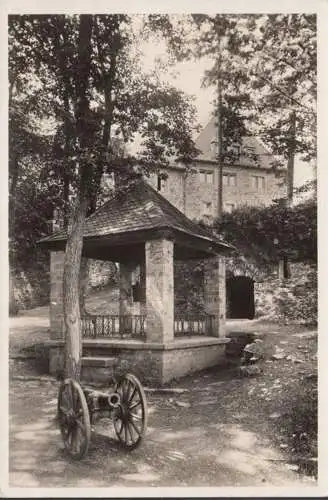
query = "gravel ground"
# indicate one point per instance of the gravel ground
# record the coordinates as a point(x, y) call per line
point(221, 430)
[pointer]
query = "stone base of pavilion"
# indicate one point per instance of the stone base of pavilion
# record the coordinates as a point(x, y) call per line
point(144, 233)
point(154, 363)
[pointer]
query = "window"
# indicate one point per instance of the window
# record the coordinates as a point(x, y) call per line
point(214, 147)
point(235, 150)
point(206, 176)
point(249, 150)
point(229, 207)
point(229, 179)
point(161, 183)
point(258, 182)
point(284, 268)
point(207, 208)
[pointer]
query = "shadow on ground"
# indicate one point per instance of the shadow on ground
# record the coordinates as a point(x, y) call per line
point(191, 441)
point(217, 432)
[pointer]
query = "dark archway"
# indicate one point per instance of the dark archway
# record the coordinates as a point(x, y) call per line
point(240, 297)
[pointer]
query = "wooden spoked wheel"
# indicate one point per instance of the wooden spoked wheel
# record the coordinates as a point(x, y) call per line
point(73, 418)
point(130, 418)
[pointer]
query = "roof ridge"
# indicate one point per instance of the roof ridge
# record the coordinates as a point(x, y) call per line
point(116, 194)
point(138, 207)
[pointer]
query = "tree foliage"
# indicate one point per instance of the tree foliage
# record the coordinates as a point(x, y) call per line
point(266, 68)
point(94, 89)
point(265, 234)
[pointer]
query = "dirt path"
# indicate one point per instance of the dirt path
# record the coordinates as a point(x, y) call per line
point(191, 441)
point(216, 433)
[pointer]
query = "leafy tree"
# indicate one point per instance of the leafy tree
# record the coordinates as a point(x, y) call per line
point(217, 39)
point(264, 234)
point(264, 68)
point(96, 91)
point(282, 71)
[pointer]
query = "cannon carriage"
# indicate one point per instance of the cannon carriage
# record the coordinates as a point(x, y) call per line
point(79, 408)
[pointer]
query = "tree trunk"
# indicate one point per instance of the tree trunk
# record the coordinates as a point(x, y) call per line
point(84, 282)
point(291, 159)
point(73, 253)
point(72, 316)
point(220, 141)
point(108, 78)
point(14, 168)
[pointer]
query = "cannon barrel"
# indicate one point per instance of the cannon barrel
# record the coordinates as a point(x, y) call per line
point(114, 400)
point(98, 400)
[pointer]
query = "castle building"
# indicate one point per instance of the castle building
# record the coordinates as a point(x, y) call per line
point(249, 180)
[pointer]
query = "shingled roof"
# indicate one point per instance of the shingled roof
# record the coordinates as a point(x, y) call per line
point(135, 214)
point(204, 143)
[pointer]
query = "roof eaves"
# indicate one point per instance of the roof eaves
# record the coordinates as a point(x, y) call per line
point(203, 237)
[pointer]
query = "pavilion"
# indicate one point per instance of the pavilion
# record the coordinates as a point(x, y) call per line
point(141, 230)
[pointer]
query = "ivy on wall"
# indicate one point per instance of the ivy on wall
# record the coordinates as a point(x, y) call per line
point(264, 234)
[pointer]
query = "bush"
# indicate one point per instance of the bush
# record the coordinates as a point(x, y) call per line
point(301, 425)
point(299, 302)
point(262, 233)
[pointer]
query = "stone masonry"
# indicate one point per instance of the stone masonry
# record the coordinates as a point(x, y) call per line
point(56, 294)
point(199, 200)
point(125, 288)
point(215, 292)
point(159, 291)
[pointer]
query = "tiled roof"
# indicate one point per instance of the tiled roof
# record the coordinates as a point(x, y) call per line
point(138, 208)
point(204, 143)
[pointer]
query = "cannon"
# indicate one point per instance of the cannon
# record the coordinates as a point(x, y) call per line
point(78, 409)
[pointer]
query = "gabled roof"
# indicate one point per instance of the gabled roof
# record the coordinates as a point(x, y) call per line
point(208, 136)
point(135, 210)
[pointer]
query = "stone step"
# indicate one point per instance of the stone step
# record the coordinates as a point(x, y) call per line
point(98, 368)
point(98, 361)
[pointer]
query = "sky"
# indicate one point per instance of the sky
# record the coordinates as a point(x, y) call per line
point(187, 76)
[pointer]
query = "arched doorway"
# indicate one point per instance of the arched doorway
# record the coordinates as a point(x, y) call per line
point(240, 297)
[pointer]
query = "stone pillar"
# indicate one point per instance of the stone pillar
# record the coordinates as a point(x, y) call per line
point(126, 288)
point(143, 305)
point(159, 291)
point(215, 293)
point(56, 295)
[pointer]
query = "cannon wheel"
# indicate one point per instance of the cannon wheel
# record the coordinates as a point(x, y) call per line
point(73, 418)
point(130, 418)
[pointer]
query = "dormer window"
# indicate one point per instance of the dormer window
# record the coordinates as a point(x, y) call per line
point(229, 207)
point(249, 150)
point(214, 148)
point(207, 208)
point(161, 183)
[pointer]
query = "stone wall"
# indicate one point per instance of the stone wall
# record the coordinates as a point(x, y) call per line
point(173, 188)
point(189, 288)
point(293, 299)
point(199, 199)
point(180, 362)
point(154, 364)
point(102, 273)
point(30, 288)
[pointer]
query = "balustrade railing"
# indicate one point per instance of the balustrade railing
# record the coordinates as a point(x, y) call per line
point(134, 326)
point(107, 326)
point(194, 325)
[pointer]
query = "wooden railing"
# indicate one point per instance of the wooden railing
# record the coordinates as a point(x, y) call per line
point(194, 325)
point(134, 326)
point(108, 326)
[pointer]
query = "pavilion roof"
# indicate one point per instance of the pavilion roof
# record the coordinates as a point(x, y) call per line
point(138, 213)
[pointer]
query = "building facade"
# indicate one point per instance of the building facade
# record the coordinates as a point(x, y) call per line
point(249, 180)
